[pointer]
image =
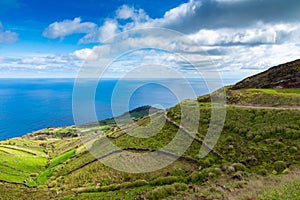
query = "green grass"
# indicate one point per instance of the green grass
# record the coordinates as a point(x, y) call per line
point(62, 158)
point(44, 176)
point(120, 194)
point(18, 168)
point(254, 143)
point(283, 91)
point(15, 151)
point(259, 97)
point(289, 191)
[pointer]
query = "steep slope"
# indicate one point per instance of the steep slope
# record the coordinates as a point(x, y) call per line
point(282, 76)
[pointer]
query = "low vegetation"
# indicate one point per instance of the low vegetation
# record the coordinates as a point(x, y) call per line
point(256, 143)
point(259, 97)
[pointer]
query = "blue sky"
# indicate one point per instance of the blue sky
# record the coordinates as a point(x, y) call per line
point(54, 38)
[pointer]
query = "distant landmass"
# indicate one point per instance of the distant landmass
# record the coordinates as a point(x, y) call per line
point(282, 76)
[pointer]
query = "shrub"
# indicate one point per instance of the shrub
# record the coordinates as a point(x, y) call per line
point(167, 190)
point(179, 172)
point(34, 175)
point(136, 183)
point(230, 147)
point(239, 167)
point(230, 169)
point(170, 189)
point(238, 175)
point(263, 172)
point(126, 185)
point(198, 177)
point(249, 135)
point(111, 187)
point(157, 193)
point(164, 180)
point(52, 184)
point(279, 145)
point(229, 139)
point(279, 166)
point(293, 149)
point(139, 183)
point(257, 138)
point(180, 186)
point(217, 171)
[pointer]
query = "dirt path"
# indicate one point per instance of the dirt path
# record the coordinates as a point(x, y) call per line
point(193, 137)
point(264, 107)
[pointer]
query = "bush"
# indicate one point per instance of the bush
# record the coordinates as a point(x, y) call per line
point(279, 145)
point(167, 190)
point(257, 138)
point(139, 183)
point(34, 175)
point(198, 177)
point(52, 184)
point(164, 180)
point(217, 171)
point(157, 193)
point(263, 172)
point(293, 149)
point(170, 189)
point(279, 166)
point(126, 185)
point(230, 169)
point(239, 167)
point(180, 186)
point(250, 136)
point(229, 139)
point(136, 183)
point(111, 187)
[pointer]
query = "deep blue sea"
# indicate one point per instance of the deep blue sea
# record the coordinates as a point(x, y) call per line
point(27, 105)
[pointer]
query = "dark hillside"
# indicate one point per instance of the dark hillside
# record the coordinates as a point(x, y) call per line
point(282, 76)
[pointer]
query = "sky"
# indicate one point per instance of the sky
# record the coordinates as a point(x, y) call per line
point(57, 38)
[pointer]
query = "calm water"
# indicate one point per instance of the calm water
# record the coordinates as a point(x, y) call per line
point(28, 105)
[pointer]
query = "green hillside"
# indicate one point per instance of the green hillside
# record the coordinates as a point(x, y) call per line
point(255, 144)
point(284, 97)
point(257, 155)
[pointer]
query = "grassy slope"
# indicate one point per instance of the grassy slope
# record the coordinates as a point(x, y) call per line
point(260, 97)
point(254, 143)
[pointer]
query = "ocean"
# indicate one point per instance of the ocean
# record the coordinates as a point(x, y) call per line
point(27, 105)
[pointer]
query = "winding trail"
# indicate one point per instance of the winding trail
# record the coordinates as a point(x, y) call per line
point(264, 107)
point(193, 137)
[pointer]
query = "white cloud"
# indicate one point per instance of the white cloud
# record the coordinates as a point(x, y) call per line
point(7, 36)
point(175, 17)
point(82, 54)
point(111, 26)
point(136, 15)
point(125, 12)
point(106, 31)
point(259, 34)
point(68, 27)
